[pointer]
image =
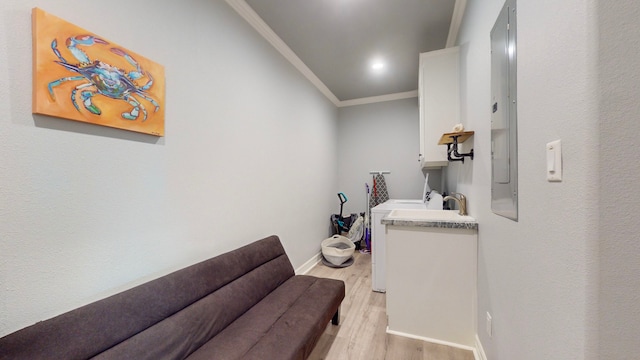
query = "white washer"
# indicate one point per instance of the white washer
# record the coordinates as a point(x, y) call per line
point(378, 238)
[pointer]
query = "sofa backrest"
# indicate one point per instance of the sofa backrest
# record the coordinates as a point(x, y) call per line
point(177, 312)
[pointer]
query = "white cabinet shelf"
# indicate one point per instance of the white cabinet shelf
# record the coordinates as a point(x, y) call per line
point(439, 95)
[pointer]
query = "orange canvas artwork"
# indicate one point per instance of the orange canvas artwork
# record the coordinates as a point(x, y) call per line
point(81, 76)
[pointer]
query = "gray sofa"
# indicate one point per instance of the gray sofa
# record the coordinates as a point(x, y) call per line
point(244, 304)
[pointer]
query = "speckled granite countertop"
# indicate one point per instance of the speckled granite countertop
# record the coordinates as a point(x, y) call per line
point(450, 224)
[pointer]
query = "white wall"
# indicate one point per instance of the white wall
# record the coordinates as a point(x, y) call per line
point(87, 211)
point(619, 260)
point(379, 137)
point(536, 276)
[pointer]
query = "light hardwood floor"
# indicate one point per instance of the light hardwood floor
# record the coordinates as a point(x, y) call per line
point(363, 321)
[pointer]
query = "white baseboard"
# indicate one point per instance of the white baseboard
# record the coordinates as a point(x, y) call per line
point(309, 264)
point(479, 352)
point(435, 341)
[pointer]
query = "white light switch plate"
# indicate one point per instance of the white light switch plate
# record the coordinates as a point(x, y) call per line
point(554, 161)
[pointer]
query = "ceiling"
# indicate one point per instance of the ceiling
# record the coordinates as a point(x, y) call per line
point(336, 42)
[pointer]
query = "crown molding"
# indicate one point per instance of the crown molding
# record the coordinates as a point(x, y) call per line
point(377, 99)
point(456, 22)
point(247, 13)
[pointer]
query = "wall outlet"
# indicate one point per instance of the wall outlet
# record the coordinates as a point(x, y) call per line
point(489, 325)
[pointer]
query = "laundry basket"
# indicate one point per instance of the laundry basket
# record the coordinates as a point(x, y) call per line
point(337, 250)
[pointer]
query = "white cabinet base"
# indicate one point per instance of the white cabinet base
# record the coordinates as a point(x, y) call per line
point(431, 283)
point(431, 340)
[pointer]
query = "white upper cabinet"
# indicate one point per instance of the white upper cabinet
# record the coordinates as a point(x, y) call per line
point(439, 94)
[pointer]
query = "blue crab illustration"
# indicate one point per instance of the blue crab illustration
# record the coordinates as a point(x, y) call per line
point(103, 79)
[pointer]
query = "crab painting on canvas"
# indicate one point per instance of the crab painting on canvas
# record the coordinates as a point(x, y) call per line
point(81, 76)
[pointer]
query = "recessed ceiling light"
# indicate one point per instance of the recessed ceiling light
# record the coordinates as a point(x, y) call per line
point(378, 65)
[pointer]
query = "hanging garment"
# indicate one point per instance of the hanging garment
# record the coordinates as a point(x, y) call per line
point(379, 193)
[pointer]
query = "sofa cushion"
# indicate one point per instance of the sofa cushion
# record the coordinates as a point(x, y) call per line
point(180, 334)
point(288, 322)
point(97, 327)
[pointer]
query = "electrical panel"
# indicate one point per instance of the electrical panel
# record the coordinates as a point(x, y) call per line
point(504, 149)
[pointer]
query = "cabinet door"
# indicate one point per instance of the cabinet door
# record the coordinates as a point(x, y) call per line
point(439, 93)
